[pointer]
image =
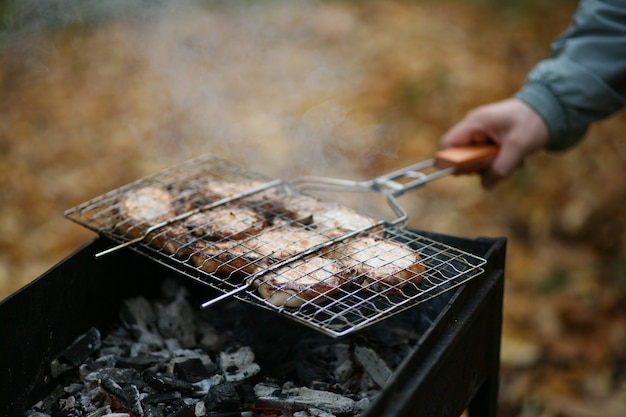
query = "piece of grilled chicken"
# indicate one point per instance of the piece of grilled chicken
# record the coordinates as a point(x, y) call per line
point(226, 257)
point(305, 280)
point(143, 208)
point(235, 239)
point(226, 222)
point(382, 266)
point(329, 218)
point(283, 242)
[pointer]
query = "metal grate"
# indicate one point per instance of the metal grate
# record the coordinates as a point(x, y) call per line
point(233, 230)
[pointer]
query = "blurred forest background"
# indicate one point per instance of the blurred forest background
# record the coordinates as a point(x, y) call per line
point(97, 94)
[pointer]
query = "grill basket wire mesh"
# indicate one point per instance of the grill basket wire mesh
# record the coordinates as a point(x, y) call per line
point(278, 223)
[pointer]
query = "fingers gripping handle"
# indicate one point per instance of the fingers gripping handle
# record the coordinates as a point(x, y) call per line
point(466, 159)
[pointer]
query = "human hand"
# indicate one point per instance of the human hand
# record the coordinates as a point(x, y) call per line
point(510, 124)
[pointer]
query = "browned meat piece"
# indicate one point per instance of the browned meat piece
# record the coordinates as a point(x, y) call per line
point(283, 242)
point(329, 218)
point(226, 258)
point(268, 204)
point(226, 222)
point(339, 220)
point(383, 266)
point(146, 207)
point(313, 279)
point(142, 208)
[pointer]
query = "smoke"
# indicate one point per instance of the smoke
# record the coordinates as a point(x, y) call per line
point(266, 84)
point(262, 84)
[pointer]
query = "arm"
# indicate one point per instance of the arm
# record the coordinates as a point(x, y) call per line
point(583, 82)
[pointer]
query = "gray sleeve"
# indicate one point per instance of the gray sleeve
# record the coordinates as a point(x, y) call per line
point(585, 79)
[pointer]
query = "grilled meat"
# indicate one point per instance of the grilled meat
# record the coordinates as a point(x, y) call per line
point(338, 220)
point(270, 203)
point(329, 218)
point(383, 266)
point(226, 257)
point(283, 242)
point(312, 279)
point(226, 222)
point(141, 209)
point(246, 236)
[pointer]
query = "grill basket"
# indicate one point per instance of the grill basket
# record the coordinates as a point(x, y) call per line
point(348, 308)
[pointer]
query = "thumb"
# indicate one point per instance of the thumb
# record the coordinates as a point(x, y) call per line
point(508, 160)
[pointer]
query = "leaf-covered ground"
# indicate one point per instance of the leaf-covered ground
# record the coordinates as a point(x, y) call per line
point(335, 88)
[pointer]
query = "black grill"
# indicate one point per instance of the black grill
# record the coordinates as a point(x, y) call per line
point(453, 366)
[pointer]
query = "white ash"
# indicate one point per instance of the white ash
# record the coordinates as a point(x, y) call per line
point(238, 365)
point(315, 402)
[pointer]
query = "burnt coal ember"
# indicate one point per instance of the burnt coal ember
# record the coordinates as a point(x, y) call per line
point(77, 352)
point(166, 358)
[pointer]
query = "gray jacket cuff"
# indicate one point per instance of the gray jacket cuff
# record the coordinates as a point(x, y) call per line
point(542, 100)
point(539, 97)
point(569, 98)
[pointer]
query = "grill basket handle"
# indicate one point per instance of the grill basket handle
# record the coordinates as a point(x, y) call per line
point(466, 159)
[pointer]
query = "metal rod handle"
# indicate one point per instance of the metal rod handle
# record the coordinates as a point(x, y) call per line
point(224, 296)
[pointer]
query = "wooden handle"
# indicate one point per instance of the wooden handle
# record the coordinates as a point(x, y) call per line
point(466, 159)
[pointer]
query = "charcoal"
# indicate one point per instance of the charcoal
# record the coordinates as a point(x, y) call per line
point(162, 382)
point(246, 393)
point(208, 336)
point(175, 320)
point(223, 397)
point(377, 369)
point(37, 414)
point(132, 400)
point(313, 412)
point(367, 384)
point(90, 398)
point(173, 345)
point(100, 412)
point(121, 376)
point(202, 387)
point(138, 317)
point(152, 411)
point(104, 361)
point(76, 353)
point(68, 407)
point(73, 388)
point(119, 337)
point(182, 355)
point(129, 396)
point(150, 366)
point(140, 362)
point(362, 404)
point(343, 371)
point(302, 398)
point(309, 372)
point(200, 409)
point(164, 409)
point(50, 402)
point(58, 368)
point(238, 364)
point(162, 397)
point(191, 370)
point(187, 410)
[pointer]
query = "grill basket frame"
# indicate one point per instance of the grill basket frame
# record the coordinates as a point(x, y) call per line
point(348, 310)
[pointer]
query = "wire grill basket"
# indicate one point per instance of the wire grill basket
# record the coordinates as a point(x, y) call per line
point(242, 234)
